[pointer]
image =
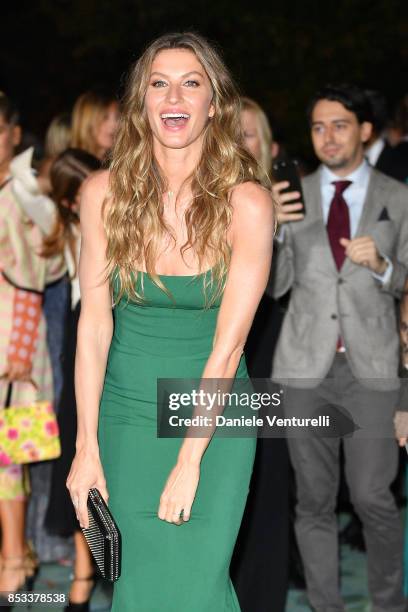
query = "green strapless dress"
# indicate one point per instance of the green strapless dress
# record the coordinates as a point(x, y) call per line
point(165, 567)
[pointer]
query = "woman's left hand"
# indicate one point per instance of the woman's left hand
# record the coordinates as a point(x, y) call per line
point(179, 492)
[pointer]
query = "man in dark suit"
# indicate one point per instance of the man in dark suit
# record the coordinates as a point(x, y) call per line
point(377, 149)
point(345, 261)
point(398, 163)
point(391, 160)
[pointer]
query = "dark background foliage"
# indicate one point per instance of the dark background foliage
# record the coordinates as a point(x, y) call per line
point(279, 51)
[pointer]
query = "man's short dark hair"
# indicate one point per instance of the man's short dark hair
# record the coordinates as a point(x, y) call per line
point(353, 98)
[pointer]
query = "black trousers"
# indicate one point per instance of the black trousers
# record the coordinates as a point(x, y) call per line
point(259, 568)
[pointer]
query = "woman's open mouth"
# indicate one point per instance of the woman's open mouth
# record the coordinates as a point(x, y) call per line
point(174, 120)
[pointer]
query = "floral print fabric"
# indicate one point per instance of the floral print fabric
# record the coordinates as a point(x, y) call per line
point(28, 433)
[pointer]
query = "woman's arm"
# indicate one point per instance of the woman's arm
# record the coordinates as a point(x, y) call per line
point(26, 318)
point(94, 337)
point(251, 239)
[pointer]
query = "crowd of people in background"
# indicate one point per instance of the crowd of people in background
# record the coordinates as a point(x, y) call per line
point(39, 310)
point(39, 264)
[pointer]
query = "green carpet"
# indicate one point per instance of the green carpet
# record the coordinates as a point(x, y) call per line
point(54, 578)
point(354, 585)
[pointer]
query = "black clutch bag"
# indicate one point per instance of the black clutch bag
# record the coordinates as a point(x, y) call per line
point(103, 537)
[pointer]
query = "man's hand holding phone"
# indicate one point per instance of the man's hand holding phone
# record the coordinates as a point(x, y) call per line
point(289, 203)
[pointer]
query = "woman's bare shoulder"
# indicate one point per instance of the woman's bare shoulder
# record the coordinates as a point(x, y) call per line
point(96, 186)
point(94, 191)
point(252, 200)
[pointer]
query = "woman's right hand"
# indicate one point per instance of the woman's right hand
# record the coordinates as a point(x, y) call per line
point(86, 473)
point(287, 212)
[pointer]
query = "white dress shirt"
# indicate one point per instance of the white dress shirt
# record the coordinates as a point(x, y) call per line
point(354, 195)
point(374, 151)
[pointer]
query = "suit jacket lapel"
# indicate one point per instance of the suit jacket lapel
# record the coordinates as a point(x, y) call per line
point(372, 204)
point(370, 212)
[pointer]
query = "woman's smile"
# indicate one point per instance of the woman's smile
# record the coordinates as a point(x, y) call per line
point(174, 120)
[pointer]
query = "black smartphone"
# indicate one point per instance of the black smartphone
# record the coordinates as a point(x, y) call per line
point(288, 170)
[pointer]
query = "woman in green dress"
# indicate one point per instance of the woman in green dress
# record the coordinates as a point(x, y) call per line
point(179, 232)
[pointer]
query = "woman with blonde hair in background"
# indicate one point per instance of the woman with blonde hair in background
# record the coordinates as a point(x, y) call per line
point(257, 132)
point(184, 240)
point(258, 139)
point(259, 566)
point(94, 123)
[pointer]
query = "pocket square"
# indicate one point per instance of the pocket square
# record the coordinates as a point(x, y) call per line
point(384, 215)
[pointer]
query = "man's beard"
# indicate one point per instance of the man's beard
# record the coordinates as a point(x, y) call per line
point(335, 163)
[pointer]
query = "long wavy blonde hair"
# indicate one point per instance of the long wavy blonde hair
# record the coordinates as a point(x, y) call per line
point(134, 222)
